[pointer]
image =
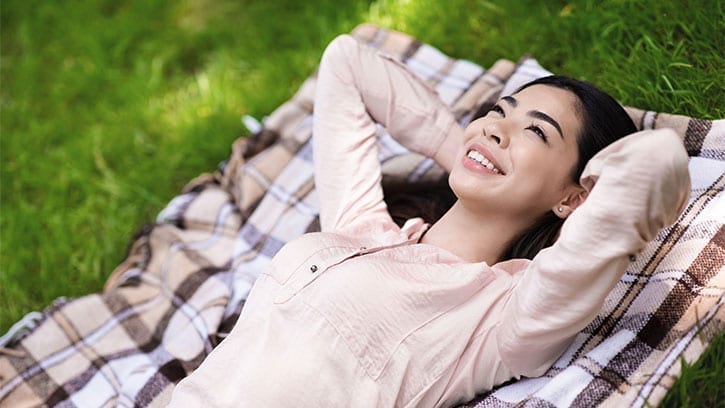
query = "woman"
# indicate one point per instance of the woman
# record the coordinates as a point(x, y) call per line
point(366, 313)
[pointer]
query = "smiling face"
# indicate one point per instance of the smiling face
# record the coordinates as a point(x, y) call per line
point(517, 160)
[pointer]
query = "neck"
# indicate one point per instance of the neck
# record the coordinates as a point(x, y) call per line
point(473, 236)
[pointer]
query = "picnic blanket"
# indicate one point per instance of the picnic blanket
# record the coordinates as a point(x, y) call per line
point(186, 277)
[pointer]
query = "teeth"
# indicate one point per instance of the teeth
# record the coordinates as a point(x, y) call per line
point(478, 157)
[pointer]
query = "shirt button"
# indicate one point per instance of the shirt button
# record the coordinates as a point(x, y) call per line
point(313, 268)
point(632, 258)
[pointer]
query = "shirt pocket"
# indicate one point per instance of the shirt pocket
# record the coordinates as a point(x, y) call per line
point(385, 311)
point(298, 264)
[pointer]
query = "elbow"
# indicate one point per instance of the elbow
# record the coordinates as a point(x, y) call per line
point(674, 177)
point(657, 163)
point(673, 159)
point(681, 175)
point(337, 51)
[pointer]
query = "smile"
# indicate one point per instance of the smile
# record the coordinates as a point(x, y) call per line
point(479, 158)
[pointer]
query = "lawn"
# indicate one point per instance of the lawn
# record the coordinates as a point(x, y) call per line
point(109, 107)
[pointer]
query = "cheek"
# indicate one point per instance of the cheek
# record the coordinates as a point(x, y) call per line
point(546, 175)
point(474, 128)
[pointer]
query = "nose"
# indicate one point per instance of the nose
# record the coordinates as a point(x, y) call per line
point(497, 134)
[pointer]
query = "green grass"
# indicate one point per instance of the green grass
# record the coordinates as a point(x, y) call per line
point(701, 384)
point(109, 107)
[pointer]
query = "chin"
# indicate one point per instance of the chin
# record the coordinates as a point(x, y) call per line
point(470, 196)
point(465, 186)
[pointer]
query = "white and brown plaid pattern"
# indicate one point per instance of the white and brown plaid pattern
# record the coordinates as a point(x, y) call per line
point(186, 277)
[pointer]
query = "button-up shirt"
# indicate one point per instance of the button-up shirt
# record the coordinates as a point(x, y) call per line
point(363, 315)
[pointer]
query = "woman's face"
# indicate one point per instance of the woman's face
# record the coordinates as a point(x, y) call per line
point(517, 160)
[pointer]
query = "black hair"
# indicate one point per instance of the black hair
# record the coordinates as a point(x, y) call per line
point(603, 121)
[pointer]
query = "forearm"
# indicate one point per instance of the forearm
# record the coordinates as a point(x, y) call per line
point(357, 87)
point(393, 96)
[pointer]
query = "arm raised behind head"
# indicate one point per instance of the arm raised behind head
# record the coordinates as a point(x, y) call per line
point(639, 185)
point(358, 86)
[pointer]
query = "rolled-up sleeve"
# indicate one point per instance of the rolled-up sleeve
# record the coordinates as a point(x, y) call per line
point(357, 87)
point(640, 185)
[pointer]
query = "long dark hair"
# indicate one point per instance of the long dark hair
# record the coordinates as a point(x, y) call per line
point(603, 121)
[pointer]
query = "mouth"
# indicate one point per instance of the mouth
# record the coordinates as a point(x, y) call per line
point(479, 158)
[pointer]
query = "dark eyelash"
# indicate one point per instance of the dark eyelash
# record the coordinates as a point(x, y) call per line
point(498, 109)
point(539, 132)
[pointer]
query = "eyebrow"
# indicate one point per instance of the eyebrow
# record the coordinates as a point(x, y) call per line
point(536, 114)
point(511, 100)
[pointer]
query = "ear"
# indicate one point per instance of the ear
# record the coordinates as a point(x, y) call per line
point(575, 196)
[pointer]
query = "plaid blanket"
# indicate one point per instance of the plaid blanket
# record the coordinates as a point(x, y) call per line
point(185, 279)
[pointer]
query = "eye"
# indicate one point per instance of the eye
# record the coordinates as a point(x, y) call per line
point(538, 132)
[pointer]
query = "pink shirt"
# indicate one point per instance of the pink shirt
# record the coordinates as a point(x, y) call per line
point(361, 314)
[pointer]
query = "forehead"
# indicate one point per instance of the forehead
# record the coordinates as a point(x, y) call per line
point(560, 104)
